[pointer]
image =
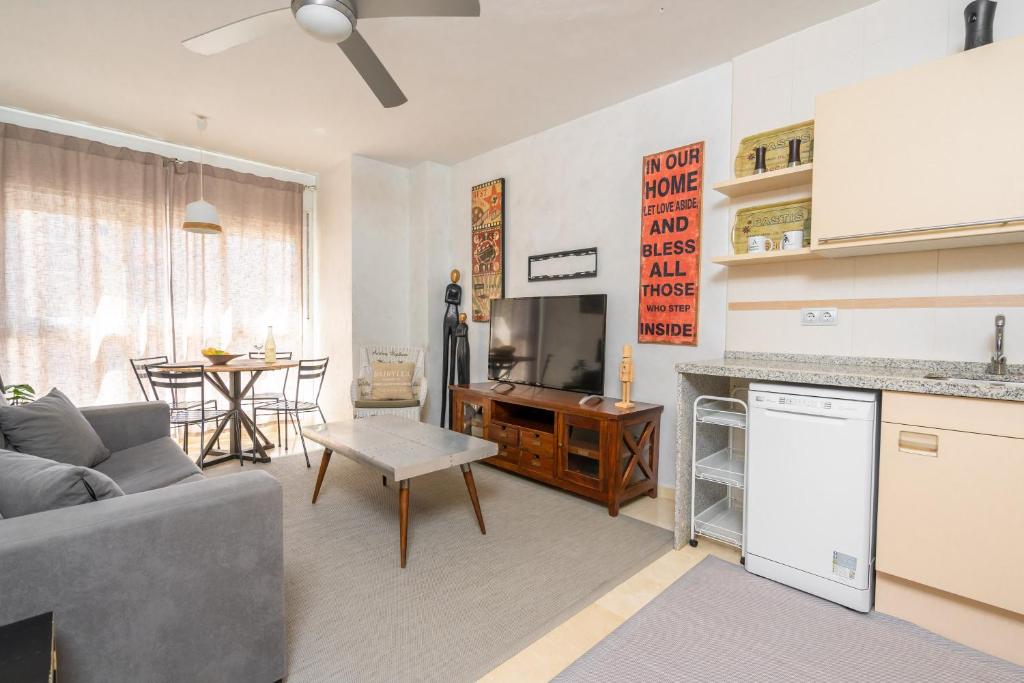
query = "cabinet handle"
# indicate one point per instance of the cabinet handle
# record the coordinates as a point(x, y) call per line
point(1001, 222)
point(917, 443)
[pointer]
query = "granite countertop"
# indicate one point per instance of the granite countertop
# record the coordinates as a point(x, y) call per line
point(890, 374)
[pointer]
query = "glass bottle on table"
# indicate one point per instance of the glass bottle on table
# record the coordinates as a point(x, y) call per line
point(270, 347)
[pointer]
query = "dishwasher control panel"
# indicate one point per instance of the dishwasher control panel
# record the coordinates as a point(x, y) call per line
point(814, 405)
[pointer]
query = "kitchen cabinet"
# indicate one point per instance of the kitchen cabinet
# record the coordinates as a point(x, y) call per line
point(925, 158)
point(951, 515)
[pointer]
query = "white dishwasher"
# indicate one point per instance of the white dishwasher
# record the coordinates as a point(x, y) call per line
point(811, 482)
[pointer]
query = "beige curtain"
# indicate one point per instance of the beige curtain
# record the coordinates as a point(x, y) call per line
point(228, 290)
point(96, 268)
point(84, 282)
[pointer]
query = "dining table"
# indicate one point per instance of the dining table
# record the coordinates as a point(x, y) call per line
point(227, 379)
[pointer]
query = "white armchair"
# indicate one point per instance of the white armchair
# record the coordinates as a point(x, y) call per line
point(362, 386)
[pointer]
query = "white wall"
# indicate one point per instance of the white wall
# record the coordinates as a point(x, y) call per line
point(333, 286)
point(579, 185)
point(776, 85)
point(380, 245)
point(430, 262)
point(384, 256)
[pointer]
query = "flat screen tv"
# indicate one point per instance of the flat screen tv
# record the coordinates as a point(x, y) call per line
point(549, 341)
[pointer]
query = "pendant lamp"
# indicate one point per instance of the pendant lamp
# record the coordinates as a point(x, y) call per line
point(201, 216)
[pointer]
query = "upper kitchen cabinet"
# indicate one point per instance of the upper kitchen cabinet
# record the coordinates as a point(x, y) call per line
point(927, 158)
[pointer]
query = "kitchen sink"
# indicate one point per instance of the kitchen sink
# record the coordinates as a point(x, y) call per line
point(980, 377)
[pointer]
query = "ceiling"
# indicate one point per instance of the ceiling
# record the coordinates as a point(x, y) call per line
point(288, 100)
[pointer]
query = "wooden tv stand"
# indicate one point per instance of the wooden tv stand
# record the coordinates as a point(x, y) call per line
point(598, 451)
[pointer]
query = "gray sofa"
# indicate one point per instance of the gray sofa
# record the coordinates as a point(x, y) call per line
point(181, 579)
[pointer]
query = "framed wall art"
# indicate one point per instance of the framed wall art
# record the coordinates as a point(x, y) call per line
point(670, 229)
point(488, 235)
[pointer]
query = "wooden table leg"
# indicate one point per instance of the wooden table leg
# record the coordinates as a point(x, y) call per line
point(403, 516)
point(324, 460)
point(467, 474)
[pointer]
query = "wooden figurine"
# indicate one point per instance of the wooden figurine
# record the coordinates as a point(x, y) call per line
point(626, 376)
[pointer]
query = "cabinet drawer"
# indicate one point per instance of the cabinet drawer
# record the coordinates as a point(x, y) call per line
point(509, 454)
point(950, 512)
point(980, 415)
point(538, 442)
point(537, 462)
point(503, 433)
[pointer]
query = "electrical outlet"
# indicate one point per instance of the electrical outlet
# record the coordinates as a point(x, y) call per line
point(819, 316)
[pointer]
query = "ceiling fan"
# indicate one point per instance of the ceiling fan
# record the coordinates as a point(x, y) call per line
point(334, 21)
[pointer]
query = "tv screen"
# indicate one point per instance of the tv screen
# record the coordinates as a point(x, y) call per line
point(549, 341)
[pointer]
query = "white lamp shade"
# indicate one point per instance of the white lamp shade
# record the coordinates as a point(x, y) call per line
point(201, 217)
point(324, 23)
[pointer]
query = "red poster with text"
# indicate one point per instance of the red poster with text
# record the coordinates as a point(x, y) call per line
point(670, 245)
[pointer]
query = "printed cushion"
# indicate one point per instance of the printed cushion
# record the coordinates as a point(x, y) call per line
point(392, 381)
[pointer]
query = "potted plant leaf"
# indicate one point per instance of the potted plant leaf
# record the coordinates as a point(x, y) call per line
point(19, 394)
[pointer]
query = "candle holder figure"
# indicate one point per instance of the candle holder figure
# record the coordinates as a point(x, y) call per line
point(626, 376)
point(453, 298)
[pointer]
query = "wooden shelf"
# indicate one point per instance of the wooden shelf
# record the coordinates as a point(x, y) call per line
point(804, 254)
point(766, 182)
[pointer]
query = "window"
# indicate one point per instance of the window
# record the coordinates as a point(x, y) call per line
point(96, 269)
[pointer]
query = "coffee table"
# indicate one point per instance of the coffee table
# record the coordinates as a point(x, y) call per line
point(401, 449)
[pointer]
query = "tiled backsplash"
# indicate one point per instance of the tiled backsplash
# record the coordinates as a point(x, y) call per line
point(887, 287)
point(776, 85)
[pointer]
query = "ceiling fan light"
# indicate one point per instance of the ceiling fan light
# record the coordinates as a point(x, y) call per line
point(325, 22)
point(201, 217)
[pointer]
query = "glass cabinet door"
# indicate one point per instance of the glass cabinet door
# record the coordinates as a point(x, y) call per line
point(470, 419)
point(580, 451)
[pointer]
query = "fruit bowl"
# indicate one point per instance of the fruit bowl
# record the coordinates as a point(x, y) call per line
point(221, 358)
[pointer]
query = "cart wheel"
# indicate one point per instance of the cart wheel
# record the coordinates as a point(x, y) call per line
point(743, 560)
point(693, 542)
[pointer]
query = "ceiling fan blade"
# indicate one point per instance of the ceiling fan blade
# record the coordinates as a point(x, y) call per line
point(373, 9)
point(369, 66)
point(238, 32)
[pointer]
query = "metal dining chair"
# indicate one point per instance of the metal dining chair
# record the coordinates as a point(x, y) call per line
point(181, 379)
point(139, 366)
point(267, 396)
point(310, 374)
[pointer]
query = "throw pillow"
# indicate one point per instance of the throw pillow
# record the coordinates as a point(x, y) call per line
point(30, 484)
point(53, 428)
point(3, 402)
point(392, 381)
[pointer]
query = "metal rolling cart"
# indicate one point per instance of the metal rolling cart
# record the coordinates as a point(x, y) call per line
point(723, 518)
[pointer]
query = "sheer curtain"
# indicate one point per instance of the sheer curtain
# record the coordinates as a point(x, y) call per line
point(84, 281)
point(96, 268)
point(227, 290)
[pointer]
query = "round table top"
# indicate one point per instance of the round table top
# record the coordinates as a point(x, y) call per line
point(239, 365)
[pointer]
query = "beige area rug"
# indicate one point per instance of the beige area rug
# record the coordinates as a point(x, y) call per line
point(466, 602)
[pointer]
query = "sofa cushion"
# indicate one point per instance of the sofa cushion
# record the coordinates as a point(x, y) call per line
point(30, 484)
point(149, 466)
point(3, 402)
point(389, 403)
point(52, 428)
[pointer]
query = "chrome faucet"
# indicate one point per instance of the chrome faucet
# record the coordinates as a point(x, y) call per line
point(998, 364)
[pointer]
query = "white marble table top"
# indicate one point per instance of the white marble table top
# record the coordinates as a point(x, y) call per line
point(400, 447)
